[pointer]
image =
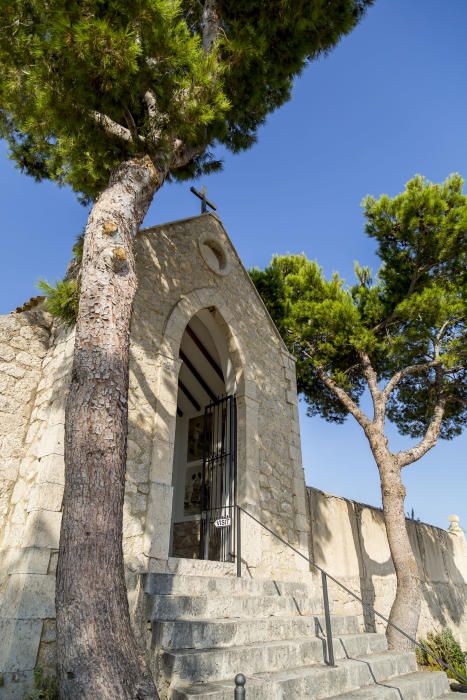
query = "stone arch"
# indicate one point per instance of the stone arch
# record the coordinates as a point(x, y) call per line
point(158, 517)
point(187, 307)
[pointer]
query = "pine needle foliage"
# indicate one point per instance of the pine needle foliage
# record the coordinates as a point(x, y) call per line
point(77, 249)
point(443, 645)
point(71, 69)
point(62, 299)
point(413, 312)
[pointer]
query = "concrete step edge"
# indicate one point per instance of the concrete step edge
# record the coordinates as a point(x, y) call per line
point(268, 681)
point(276, 643)
point(234, 596)
point(149, 579)
point(400, 683)
point(265, 618)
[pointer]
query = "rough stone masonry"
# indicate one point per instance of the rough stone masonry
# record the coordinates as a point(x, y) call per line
point(188, 273)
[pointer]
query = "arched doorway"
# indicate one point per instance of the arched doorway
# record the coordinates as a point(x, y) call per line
point(204, 467)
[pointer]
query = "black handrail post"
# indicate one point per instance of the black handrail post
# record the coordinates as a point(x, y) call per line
point(239, 540)
point(240, 693)
point(327, 617)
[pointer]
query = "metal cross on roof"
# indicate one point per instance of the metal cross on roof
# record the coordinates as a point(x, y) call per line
point(205, 203)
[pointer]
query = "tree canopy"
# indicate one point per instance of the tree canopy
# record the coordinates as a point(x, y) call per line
point(86, 85)
point(408, 320)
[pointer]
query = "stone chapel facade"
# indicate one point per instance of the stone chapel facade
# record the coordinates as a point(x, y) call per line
point(211, 383)
point(213, 424)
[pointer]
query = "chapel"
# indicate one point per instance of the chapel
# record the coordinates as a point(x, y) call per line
point(213, 424)
point(220, 534)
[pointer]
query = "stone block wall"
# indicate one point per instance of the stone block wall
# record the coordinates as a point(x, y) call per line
point(24, 342)
point(174, 284)
point(176, 281)
point(31, 526)
point(186, 539)
point(349, 540)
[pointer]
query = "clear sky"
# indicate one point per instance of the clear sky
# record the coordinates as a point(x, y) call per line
point(389, 102)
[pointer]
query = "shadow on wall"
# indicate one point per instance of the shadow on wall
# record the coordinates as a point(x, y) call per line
point(27, 610)
point(349, 540)
point(369, 568)
point(443, 583)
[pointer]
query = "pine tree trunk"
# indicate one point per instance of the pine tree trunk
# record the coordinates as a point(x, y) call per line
point(405, 611)
point(98, 656)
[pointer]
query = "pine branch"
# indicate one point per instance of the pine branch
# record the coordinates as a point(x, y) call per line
point(340, 393)
point(112, 128)
point(131, 124)
point(184, 154)
point(155, 117)
point(209, 25)
point(343, 396)
point(372, 381)
point(398, 376)
point(430, 438)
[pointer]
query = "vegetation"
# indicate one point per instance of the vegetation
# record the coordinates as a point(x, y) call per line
point(399, 335)
point(170, 79)
point(113, 99)
point(45, 686)
point(445, 647)
point(62, 300)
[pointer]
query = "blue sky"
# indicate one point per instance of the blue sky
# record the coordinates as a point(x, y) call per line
point(389, 102)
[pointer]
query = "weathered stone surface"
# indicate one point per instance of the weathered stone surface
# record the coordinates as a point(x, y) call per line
point(202, 630)
point(174, 284)
point(46, 497)
point(28, 561)
point(42, 529)
point(51, 442)
point(24, 341)
point(29, 596)
point(20, 644)
point(16, 685)
point(157, 536)
point(349, 540)
point(51, 470)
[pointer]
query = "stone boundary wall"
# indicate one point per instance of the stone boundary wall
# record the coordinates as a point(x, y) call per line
point(24, 342)
point(175, 283)
point(349, 540)
point(30, 533)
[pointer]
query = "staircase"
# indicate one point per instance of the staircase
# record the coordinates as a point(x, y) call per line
point(207, 629)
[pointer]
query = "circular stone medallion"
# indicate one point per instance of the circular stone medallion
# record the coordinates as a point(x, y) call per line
point(214, 255)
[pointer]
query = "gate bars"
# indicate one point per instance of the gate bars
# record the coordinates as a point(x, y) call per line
point(218, 486)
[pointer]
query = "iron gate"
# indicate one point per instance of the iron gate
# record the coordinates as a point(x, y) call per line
point(218, 486)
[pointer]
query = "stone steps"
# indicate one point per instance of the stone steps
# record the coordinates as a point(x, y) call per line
point(210, 664)
point(207, 629)
point(164, 584)
point(318, 681)
point(173, 607)
point(412, 686)
point(225, 632)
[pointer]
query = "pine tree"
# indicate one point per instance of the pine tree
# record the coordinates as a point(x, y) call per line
point(114, 99)
point(401, 336)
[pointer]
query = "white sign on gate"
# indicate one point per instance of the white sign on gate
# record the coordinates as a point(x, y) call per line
point(223, 522)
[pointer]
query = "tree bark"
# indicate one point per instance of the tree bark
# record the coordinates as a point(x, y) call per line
point(405, 611)
point(98, 656)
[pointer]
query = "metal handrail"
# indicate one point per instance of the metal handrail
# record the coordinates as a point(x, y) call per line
point(324, 576)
